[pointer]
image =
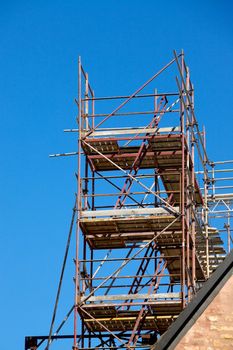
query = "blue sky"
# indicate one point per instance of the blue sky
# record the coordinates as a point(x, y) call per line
point(122, 43)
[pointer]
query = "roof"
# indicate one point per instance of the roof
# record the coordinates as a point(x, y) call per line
point(196, 307)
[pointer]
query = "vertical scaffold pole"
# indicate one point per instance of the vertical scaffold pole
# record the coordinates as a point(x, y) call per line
point(182, 187)
point(78, 208)
point(206, 207)
point(228, 228)
point(188, 193)
point(193, 195)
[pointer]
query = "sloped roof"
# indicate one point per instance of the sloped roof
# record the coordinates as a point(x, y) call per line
point(196, 307)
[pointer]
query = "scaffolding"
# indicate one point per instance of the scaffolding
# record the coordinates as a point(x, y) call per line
point(148, 203)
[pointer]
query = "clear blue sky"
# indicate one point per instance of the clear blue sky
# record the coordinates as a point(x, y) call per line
point(122, 43)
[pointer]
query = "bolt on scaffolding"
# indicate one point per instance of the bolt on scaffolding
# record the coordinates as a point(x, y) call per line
point(147, 199)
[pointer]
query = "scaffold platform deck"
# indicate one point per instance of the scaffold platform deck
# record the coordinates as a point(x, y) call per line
point(159, 316)
point(163, 152)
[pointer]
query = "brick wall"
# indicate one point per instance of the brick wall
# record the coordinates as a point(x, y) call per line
point(213, 330)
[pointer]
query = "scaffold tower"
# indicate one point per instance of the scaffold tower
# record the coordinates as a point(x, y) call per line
point(148, 205)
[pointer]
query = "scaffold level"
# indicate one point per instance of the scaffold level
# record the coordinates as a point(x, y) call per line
point(147, 210)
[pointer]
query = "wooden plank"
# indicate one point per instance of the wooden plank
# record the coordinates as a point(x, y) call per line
point(133, 296)
point(125, 212)
point(130, 235)
point(134, 131)
point(159, 305)
point(129, 318)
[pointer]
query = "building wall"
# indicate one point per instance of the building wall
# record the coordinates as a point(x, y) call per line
point(213, 330)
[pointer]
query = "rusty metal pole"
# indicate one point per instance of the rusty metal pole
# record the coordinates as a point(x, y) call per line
point(93, 110)
point(206, 207)
point(228, 228)
point(78, 206)
point(84, 267)
point(182, 189)
point(188, 192)
point(86, 105)
point(229, 233)
point(193, 198)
